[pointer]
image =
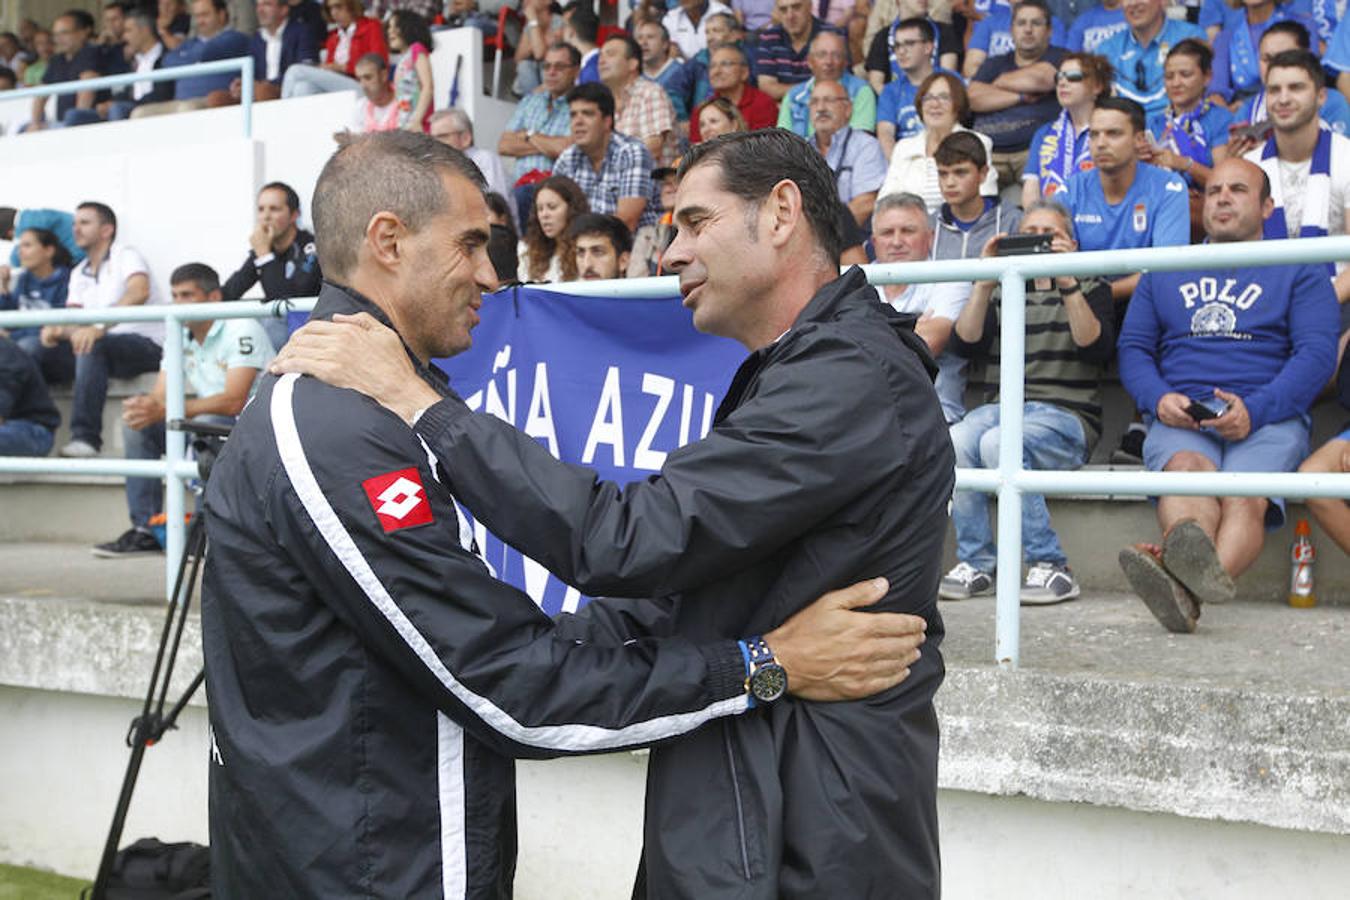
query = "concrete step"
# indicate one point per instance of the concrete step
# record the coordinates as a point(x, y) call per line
point(118, 390)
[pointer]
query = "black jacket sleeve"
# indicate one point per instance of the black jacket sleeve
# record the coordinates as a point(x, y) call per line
point(1097, 292)
point(978, 349)
point(800, 450)
point(243, 278)
point(477, 647)
point(304, 279)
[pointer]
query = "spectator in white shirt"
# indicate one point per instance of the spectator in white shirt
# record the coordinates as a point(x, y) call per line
point(377, 107)
point(688, 24)
point(111, 275)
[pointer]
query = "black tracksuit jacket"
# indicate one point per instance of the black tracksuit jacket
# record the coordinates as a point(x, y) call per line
point(828, 462)
point(369, 680)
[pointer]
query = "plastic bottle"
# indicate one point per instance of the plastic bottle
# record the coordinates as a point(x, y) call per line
point(1301, 557)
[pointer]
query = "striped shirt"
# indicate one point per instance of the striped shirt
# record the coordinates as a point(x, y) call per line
point(544, 115)
point(1058, 371)
point(626, 171)
point(645, 111)
point(774, 55)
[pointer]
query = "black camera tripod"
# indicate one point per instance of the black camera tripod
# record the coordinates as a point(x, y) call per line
point(153, 722)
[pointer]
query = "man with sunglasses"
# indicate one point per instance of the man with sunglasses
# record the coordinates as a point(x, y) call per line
point(1138, 52)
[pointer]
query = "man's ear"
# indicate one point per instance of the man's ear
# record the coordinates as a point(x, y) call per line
point(384, 231)
point(624, 257)
point(781, 211)
point(1267, 207)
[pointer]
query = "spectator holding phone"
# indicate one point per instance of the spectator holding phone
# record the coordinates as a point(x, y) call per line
point(1190, 135)
point(1227, 363)
point(1070, 337)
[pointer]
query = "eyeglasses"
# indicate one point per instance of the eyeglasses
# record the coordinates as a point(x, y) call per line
point(821, 101)
point(1070, 77)
point(911, 43)
point(937, 98)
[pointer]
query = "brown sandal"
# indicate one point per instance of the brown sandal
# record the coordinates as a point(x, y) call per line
point(1169, 601)
point(1189, 555)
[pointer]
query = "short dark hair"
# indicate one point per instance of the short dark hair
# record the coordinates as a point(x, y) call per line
point(501, 249)
point(610, 227)
point(585, 23)
point(919, 24)
point(1042, 5)
point(82, 19)
point(118, 5)
point(631, 46)
point(665, 32)
point(221, 6)
point(1125, 105)
point(395, 171)
point(292, 198)
point(1291, 28)
point(146, 20)
point(734, 48)
point(594, 92)
point(1299, 59)
point(1198, 51)
point(572, 52)
point(7, 74)
point(959, 147)
point(60, 252)
point(7, 216)
point(752, 163)
point(104, 212)
point(200, 274)
point(413, 27)
point(372, 59)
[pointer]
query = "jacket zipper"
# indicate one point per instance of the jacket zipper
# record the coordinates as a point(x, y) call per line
point(740, 809)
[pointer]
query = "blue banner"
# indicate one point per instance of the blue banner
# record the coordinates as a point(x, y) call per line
point(612, 384)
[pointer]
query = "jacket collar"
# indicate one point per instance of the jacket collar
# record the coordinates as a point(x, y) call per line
point(826, 303)
point(336, 298)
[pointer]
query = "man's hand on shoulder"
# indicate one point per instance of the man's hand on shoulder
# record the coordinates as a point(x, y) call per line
point(325, 350)
point(832, 650)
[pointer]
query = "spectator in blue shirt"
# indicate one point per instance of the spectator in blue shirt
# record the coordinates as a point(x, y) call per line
point(76, 58)
point(1237, 68)
point(540, 128)
point(993, 36)
point(828, 61)
point(853, 155)
point(215, 40)
point(41, 285)
point(1138, 53)
point(1123, 203)
point(1251, 347)
point(1337, 59)
point(1217, 16)
point(1190, 136)
point(780, 55)
point(667, 71)
point(1094, 26)
point(582, 31)
point(1014, 94)
point(897, 114)
point(1061, 147)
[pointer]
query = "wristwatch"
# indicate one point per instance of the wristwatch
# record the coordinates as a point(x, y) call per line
point(767, 680)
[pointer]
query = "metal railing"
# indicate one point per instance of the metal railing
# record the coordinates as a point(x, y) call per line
point(1009, 481)
point(243, 65)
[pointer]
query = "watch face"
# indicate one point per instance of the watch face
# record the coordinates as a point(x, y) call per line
point(768, 683)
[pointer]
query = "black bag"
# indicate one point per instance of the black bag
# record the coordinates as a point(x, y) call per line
point(153, 870)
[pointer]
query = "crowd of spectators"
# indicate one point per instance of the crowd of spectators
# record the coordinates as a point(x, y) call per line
point(948, 125)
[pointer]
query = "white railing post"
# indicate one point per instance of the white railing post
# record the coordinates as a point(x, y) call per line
point(175, 444)
point(246, 95)
point(1008, 580)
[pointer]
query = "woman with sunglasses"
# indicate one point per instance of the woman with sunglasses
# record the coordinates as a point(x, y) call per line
point(943, 108)
point(1060, 147)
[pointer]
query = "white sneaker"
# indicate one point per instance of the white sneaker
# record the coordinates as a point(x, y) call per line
point(1048, 583)
point(78, 449)
point(965, 581)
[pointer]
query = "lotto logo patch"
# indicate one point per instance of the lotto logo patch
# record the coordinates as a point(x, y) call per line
point(399, 500)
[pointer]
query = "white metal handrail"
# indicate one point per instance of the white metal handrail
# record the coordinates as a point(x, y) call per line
point(1009, 481)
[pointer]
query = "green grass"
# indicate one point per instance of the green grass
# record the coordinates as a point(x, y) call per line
point(31, 884)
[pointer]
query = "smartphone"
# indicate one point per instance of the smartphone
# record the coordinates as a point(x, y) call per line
point(1209, 409)
point(1257, 131)
point(1024, 244)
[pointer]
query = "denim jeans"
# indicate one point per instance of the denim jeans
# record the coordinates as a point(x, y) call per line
point(951, 385)
point(145, 496)
point(113, 356)
point(1052, 438)
point(305, 81)
point(19, 437)
point(57, 363)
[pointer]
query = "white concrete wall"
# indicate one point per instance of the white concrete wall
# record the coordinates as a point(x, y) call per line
point(62, 760)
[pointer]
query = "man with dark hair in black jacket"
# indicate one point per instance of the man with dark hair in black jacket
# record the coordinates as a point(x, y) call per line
point(281, 255)
point(368, 677)
point(828, 461)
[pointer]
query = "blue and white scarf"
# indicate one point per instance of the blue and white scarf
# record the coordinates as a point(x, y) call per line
point(1316, 195)
point(896, 71)
point(1062, 153)
point(1185, 133)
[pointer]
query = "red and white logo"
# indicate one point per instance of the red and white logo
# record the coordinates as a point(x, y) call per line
point(399, 500)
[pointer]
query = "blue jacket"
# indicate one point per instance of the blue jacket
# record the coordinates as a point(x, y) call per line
point(297, 46)
point(228, 44)
point(1267, 334)
point(31, 292)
